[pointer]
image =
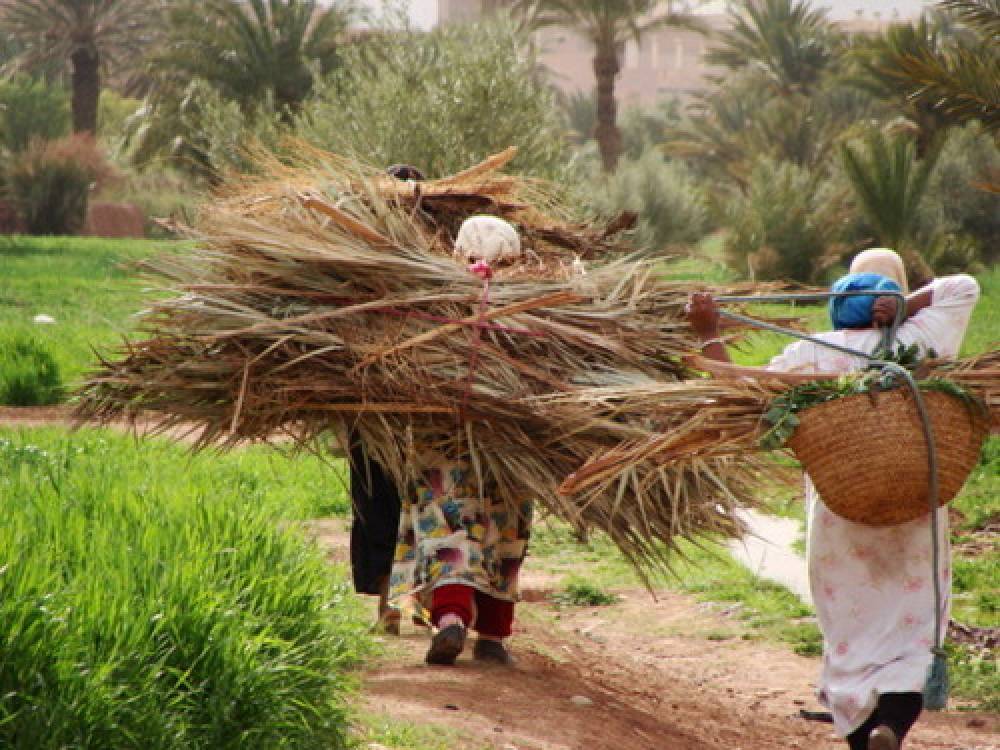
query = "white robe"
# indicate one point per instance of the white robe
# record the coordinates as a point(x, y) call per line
point(872, 586)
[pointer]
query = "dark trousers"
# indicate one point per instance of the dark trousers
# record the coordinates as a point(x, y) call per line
point(898, 711)
point(376, 521)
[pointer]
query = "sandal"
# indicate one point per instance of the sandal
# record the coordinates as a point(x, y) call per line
point(446, 645)
point(492, 651)
point(883, 738)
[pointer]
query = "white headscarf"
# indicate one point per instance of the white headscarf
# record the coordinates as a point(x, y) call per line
point(488, 239)
point(884, 262)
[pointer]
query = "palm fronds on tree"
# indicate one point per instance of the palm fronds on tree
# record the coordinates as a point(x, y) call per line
point(327, 294)
point(788, 41)
point(730, 129)
point(889, 183)
point(955, 76)
point(876, 69)
point(981, 15)
point(964, 84)
point(253, 51)
point(91, 39)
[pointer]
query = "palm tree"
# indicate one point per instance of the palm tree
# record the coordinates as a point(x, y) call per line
point(607, 24)
point(251, 51)
point(92, 36)
point(730, 128)
point(878, 63)
point(787, 41)
point(889, 183)
point(960, 80)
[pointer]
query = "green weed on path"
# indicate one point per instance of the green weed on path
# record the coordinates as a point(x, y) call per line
point(150, 597)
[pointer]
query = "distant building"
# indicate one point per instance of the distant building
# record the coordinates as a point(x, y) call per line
point(668, 64)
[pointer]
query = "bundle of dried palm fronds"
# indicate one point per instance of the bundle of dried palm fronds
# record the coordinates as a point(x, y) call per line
point(328, 294)
point(980, 375)
point(725, 416)
point(343, 192)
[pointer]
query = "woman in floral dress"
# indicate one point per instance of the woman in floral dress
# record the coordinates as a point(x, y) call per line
point(460, 548)
point(460, 552)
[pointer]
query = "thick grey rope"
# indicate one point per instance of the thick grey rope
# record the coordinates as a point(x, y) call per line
point(933, 489)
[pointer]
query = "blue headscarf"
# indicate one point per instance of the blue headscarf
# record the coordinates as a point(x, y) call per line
point(856, 312)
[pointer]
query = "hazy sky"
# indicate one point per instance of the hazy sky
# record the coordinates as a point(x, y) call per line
point(424, 12)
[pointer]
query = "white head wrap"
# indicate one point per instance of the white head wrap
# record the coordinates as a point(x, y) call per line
point(884, 262)
point(487, 239)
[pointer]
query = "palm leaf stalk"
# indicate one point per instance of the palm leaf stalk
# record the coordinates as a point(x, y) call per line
point(327, 296)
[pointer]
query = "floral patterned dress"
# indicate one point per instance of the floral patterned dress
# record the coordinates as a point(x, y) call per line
point(872, 586)
point(449, 534)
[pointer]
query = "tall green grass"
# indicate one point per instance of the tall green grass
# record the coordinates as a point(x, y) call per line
point(151, 598)
point(29, 375)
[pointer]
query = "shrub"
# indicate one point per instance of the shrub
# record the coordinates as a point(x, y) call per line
point(31, 109)
point(956, 203)
point(784, 226)
point(954, 253)
point(441, 101)
point(50, 182)
point(149, 599)
point(113, 111)
point(159, 194)
point(29, 374)
point(644, 128)
point(196, 130)
point(672, 208)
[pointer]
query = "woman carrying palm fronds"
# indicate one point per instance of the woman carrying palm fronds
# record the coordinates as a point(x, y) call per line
point(460, 546)
point(874, 596)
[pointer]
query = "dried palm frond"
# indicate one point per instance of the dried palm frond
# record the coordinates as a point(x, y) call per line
point(721, 418)
point(327, 295)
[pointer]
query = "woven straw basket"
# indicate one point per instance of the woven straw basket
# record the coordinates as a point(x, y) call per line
point(867, 454)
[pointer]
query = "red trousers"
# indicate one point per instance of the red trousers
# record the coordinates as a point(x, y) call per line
point(493, 617)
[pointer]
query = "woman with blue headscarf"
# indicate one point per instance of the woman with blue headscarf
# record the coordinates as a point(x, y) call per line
point(870, 585)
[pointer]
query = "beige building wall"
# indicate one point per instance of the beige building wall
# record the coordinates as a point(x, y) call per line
point(667, 64)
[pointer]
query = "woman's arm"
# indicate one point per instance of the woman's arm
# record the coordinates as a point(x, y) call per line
point(703, 315)
point(884, 309)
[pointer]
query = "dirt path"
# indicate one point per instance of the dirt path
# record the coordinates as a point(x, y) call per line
point(643, 674)
point(637, 675)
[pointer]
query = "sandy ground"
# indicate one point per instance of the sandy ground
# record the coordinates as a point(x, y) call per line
point(643, 674)
point(668, 673)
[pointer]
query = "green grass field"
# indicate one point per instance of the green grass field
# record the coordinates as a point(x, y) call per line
point(90, 286)
point(151, 597)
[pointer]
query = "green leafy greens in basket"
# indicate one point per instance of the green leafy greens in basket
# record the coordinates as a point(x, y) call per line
point(782, 413)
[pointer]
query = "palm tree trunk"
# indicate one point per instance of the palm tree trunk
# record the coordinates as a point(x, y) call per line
point(86, 84)
point(609, 138)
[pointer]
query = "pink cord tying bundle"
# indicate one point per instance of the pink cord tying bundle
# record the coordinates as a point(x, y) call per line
point(485, 272)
